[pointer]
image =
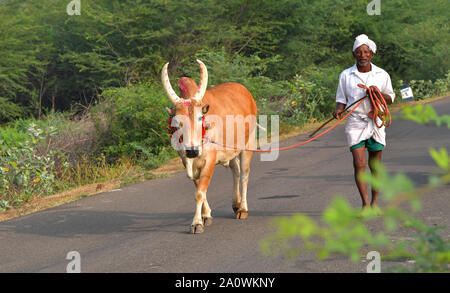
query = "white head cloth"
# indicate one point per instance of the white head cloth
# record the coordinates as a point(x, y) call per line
point(364, 40)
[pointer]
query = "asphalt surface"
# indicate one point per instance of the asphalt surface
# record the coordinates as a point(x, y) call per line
point(144, 227)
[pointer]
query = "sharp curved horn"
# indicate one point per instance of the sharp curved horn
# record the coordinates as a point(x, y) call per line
point(168, 87)
point(203, 82)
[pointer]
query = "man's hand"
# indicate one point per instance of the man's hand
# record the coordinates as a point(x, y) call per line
point(337, 114)
point(386, 97)
point(339, 111)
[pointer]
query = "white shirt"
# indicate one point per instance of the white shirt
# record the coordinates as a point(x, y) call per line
point(359, 126)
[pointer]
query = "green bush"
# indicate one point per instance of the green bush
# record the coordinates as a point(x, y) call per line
point(134, 124)
point(13, 134)
point(423, 89)
point(250, 71)
point(24, 173)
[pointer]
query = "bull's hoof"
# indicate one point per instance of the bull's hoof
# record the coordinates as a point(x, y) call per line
point(241, 215)
point(197, 229)
point(207, 221)
point(236, 207)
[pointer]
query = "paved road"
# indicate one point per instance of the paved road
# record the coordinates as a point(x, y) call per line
point(144, 227)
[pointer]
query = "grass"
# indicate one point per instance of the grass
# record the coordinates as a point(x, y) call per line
point(86, 171)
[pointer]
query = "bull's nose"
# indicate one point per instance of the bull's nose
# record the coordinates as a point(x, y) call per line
point(192, 152)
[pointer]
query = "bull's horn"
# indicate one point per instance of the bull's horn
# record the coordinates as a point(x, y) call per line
point(168, 87)
point(203, 82)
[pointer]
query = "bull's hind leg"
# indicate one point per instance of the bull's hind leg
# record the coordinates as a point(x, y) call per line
point(246, 158)
point(236, 170)
point(206, 213)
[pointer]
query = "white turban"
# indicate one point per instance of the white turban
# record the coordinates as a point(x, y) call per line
point(364, 40)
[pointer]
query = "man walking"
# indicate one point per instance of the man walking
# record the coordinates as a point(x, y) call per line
point(360, 129)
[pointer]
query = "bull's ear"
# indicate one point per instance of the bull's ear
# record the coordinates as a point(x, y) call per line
point(171, 111)
point(205, 109)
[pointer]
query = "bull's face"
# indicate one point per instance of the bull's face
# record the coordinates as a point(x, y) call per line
point(189, 112)
point(189, 119)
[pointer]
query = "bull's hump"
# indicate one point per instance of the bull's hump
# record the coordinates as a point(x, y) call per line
point(229, 97)
point(188, 87)
point(228, 86)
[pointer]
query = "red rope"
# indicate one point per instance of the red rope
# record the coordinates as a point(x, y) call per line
point(304, 142)
point(380, 108)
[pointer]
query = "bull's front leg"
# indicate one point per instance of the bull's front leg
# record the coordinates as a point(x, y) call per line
point(202, 214)
point(206, 210)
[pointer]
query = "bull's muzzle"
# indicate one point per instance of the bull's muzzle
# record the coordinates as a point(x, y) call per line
point(192, 152)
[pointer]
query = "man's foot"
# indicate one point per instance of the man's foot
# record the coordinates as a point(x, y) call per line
point(365, 212)
point(377, 211)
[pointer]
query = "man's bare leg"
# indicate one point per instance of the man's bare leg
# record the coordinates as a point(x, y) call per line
point(359, 165)
point(374, 156)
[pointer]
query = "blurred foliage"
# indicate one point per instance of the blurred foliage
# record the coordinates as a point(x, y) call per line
point(424, 114)
point(345, 230)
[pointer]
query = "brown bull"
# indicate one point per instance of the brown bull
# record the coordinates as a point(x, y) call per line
point(219, 103)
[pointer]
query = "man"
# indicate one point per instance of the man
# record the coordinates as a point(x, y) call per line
point(361, 131)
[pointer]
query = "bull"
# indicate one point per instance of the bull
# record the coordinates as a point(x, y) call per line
point(200, 156)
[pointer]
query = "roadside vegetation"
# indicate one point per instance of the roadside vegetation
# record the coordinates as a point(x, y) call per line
point(81, 100)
